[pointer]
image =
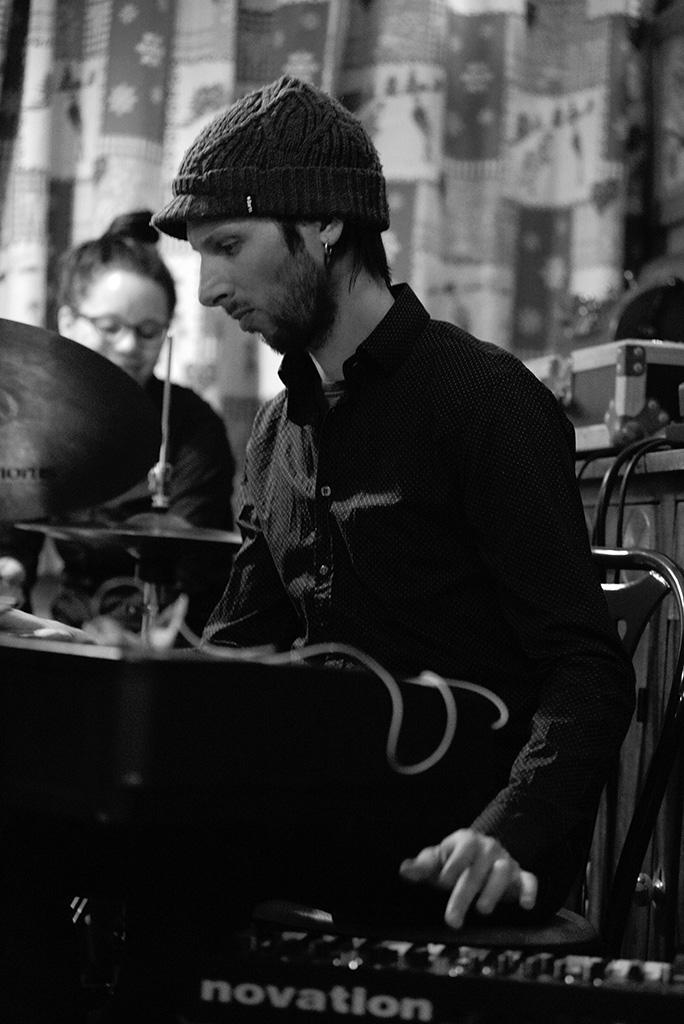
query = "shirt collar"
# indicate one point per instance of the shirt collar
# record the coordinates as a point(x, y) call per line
point(389, 344)
point(385, 349)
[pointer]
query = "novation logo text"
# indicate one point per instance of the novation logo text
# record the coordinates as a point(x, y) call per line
point(351, 1002)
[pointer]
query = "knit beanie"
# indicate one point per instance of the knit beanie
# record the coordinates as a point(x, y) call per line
point(287, 150)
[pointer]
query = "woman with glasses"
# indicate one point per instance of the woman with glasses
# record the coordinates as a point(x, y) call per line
point(117, 297)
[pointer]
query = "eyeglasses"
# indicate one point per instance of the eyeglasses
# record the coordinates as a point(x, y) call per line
point(112, 328)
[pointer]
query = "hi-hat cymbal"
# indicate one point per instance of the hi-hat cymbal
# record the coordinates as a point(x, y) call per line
point(141, 536)
point(75, 430)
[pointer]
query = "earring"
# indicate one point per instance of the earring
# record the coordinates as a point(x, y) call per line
point(327, 254)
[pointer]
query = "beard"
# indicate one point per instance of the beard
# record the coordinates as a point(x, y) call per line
point(308, 310)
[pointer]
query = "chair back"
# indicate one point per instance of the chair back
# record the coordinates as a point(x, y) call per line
point(633, 603)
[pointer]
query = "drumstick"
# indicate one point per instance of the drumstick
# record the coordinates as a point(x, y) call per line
point(158, 477)
point(166, 402)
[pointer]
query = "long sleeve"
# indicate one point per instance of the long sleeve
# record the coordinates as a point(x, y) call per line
point(535, 546)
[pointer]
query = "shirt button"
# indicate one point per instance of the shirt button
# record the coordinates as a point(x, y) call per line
point(325, 491)
point(324, 569)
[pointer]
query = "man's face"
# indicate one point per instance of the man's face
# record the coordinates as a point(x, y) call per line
point(280, 291)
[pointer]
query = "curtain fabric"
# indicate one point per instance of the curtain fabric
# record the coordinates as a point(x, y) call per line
point(511, 134)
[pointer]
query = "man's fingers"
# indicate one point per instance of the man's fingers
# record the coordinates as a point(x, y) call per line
point(488, 876)
point(476, 852)
point(503, 882)
point(476, 870)
point(528, 890)
point(425, 867)
point(501, 875)
point(444, 864)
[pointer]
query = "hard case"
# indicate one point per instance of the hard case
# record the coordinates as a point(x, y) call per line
point(617, 391)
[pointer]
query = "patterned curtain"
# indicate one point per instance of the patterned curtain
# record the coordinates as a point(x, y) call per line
point(511, 133)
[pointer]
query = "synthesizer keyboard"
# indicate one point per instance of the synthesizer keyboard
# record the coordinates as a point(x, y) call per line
point(311, 976)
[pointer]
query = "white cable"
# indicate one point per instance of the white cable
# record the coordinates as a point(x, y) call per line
point(431, 678)
point(315, 650)
point(426, 678)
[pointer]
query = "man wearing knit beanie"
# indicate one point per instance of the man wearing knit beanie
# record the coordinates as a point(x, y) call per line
point(283, 156)
point(410, 495)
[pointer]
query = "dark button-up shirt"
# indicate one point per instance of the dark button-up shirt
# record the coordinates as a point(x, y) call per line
point(431, 518)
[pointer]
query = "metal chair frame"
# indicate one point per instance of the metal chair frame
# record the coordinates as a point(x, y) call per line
point(661, 570)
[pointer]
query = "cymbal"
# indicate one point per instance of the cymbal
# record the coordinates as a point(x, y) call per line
point(141, 536)
point(75, 430)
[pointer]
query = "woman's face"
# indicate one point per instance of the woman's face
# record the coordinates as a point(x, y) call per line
point(123, 316)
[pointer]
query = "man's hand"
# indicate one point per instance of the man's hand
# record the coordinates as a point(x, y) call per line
point(476, 869)
point(12, 579)
point(24, 624)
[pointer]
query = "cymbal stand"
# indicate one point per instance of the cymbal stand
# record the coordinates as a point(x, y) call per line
point(159, 476)
point(150, 610)
point(158, 479)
